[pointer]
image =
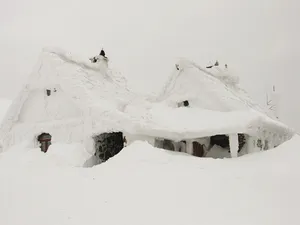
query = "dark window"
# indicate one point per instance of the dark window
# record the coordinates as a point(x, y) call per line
point(220, 140)
point(168, 145)
point(223, 141)
point(164, 144)
point(45, 141)
point(186, 103)
point(183, 104)
point(198, 149)
point(48, 92)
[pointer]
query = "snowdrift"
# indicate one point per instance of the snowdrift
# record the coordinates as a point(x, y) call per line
point(146, 185)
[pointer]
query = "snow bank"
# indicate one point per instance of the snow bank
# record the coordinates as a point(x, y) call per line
point(58, 155)
point(145, 185)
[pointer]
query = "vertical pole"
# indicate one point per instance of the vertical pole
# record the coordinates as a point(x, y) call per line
point(189, 147)
point(234, 145)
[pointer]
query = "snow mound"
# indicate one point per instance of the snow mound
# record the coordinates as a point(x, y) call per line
point(145, 185)
point(58, 155)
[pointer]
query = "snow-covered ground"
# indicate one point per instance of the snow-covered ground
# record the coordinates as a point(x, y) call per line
point(146, 185)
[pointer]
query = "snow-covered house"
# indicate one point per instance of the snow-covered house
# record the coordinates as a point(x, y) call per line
point(203, 111)
point(70, 100)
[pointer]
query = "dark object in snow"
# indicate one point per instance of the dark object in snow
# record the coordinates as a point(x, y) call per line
point(182, 147)
point(124, 140)
point(93, 60)
point(177, 66)
point(259, 143)
point(108, 145)
point(48, 92)
point(96, 58)
point(102, 52)
point(168, 145)
point(211, 66)
point(164, 144)
point(183, 104)
point(226, 66)
point(45, 141)
point(186, 103)
point(198, 149)
point(242, 141)
point(220, 140)
point(223, 141)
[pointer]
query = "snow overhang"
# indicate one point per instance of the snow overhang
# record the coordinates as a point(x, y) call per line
point(189, 123)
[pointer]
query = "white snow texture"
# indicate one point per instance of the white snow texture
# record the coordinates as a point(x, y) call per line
point(142, 184)
point(74, 100)
point(146, 185)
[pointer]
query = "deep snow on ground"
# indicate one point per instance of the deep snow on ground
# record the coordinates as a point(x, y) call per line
point(146, 185)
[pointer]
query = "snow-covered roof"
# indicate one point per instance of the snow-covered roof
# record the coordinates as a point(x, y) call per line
point(183, 123)
point(87, 85)
point(212, 89)
point(102, 93)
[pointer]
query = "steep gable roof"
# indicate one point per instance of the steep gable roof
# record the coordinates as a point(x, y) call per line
point(205, 89)
point(87, 85)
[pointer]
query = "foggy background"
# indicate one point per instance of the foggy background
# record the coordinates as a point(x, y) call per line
point(258, 39)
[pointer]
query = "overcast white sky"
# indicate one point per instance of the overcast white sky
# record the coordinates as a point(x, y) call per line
point(258, 39)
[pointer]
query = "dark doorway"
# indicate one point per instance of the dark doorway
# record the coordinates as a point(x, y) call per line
point(223, 141)
point(45, 140)
point(198, 149)
point(164, 144)
point(168, 145)
point(108, 145)
point(220, 140)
